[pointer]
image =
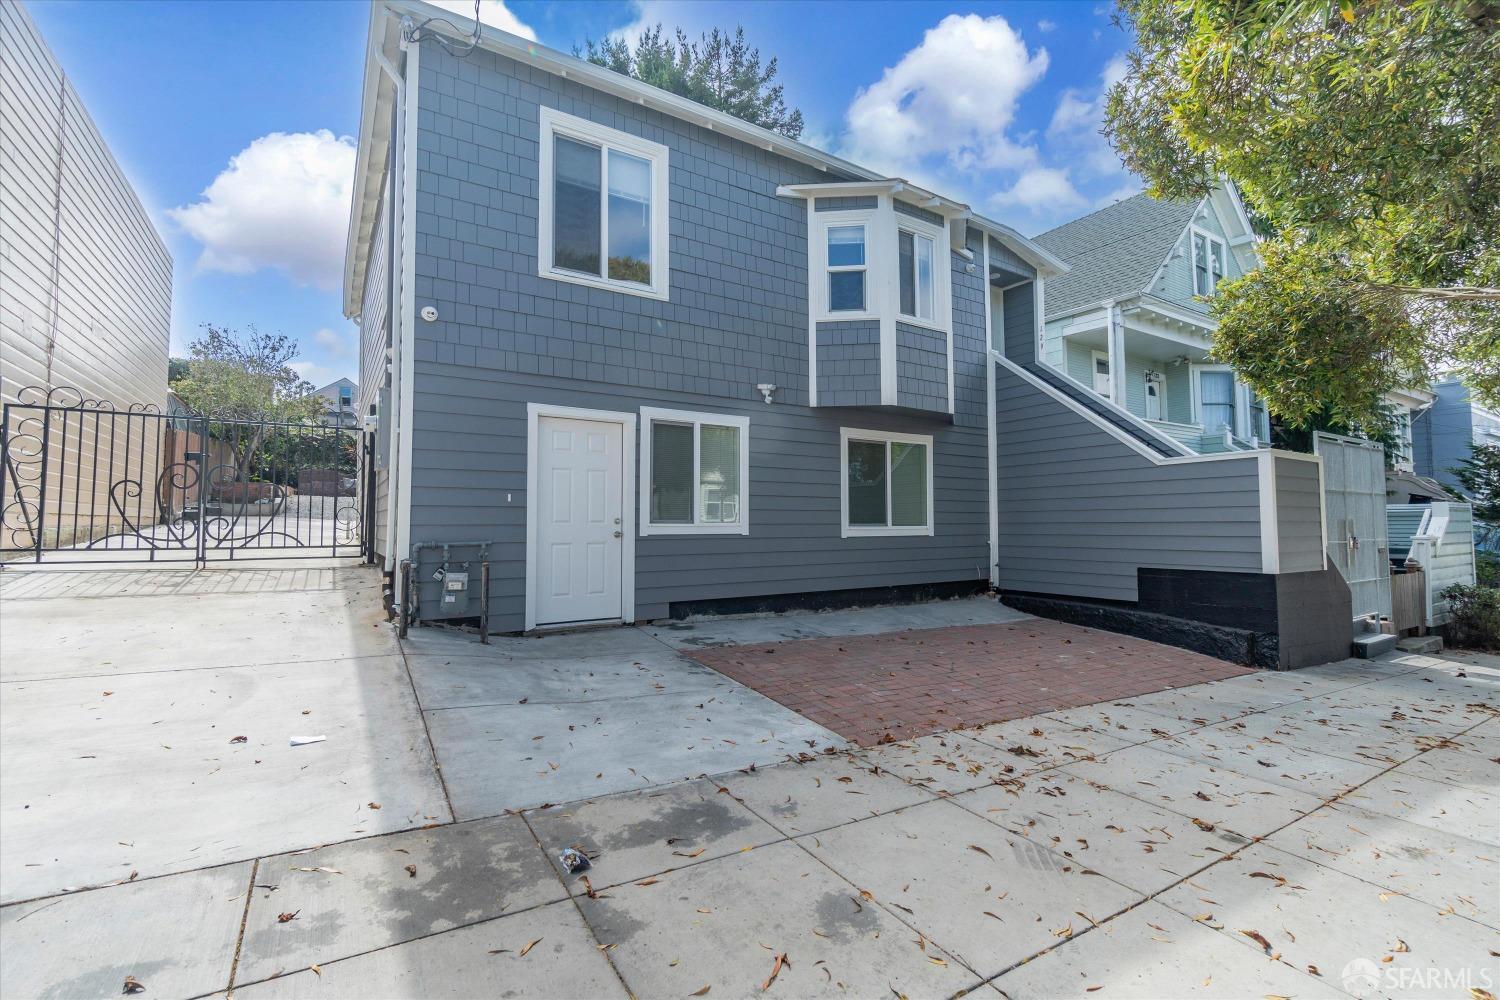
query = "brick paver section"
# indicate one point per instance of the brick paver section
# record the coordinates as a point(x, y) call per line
point(898, 685)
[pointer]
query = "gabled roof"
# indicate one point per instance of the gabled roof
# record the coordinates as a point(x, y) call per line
point(1114, 252)
point(383, 46)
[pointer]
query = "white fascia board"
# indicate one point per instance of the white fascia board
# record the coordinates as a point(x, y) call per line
point(531, 53)
point(376, 99)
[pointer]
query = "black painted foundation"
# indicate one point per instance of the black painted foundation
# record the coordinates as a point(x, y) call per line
point(1277, 622)
point(827, 600)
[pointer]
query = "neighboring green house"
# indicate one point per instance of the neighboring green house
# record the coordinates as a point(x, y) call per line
point(1131, 323)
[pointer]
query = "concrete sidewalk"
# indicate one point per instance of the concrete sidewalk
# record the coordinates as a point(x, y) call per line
point(1329, 832)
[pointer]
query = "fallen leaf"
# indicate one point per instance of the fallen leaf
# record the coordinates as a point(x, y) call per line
point(976, 847)
point(1401, 946)
point(937, 961)
point(373, 805)
point(317, 970)
point(649, 881)
point(1258, 938)
point(132, 984)
point(1092, 989)
point(701, 991)
point(240, 739)
point(529, 945)
point(690, 854)
point(781, 960)
point(1203, 825)
point(411, 871)
point(282, 918)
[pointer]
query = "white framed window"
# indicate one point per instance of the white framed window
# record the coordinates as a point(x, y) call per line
point(695, 473)
point(602, 218)
point(842, 247)
point(1208, 262)
point(916, 272)
point(885, 483)
point(1216, 399)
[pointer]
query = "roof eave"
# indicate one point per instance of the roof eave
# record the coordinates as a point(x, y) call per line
point(624, 87)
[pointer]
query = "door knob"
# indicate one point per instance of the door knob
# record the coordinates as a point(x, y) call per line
point(619, 534)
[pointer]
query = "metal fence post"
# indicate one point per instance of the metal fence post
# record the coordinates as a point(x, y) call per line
point(201, 550)
point(405, 598)
point(484, 597)
point(41, 502)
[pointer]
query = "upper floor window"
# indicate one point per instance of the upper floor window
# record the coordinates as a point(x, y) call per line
point(1208, 262)
point(915, 254)
point(603, 208)
point(846, 268)
point(872, 263)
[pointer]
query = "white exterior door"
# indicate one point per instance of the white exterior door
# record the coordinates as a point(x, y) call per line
point(1100, 362)
point(1153, 399)
point(579, 540)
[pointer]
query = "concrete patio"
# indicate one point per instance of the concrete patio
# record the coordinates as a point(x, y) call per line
point(1328, 832)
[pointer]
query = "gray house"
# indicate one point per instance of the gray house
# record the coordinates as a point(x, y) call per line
point(1446, 432)
point(647, 360)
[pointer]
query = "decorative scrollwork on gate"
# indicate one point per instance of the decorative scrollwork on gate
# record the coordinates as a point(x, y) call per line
point(154, 482)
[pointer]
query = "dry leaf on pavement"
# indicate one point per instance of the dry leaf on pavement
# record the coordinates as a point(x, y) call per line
point(529, 945)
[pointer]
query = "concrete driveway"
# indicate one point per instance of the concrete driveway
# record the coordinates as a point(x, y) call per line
point(1330, 832)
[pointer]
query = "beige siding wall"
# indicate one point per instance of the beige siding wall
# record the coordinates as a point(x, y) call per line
point(85, 280)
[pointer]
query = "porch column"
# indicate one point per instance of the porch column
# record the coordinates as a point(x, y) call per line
point(1116, 357)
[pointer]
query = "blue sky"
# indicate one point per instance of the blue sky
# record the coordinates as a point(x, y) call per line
point(236, 121)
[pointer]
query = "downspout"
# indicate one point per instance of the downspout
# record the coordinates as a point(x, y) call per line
point(992, 460)
point(408, 286)
point(391, 357)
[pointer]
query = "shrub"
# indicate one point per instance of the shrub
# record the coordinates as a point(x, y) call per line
point(1487, 569)
point(1475, 616)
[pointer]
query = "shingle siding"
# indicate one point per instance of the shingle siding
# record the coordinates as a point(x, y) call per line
point(849, 363)
point(921, 368)
point(737, 316)
point(845, 204)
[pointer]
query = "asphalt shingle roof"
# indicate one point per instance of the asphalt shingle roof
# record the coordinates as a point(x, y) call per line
point(1114, 252)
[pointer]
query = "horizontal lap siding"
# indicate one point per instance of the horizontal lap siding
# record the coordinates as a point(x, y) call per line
point(737, 316)
point(1299, 515)
point(85, 285)
point(1080, 511)
point(469, 472)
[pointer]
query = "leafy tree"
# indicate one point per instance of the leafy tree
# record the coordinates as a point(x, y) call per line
point(1479, 475)
point(1298, 436)
point(719, 70)
point(241, 381)
point(1366, 135)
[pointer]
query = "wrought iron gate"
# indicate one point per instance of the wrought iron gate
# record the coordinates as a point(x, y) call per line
point(83, 481)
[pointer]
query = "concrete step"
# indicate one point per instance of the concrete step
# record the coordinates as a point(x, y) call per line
point(1372, 644)
point(1421, 644)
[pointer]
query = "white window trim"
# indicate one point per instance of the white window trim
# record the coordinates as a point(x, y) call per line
point(650, 414)
point(847, 434)
point(817, 256)
point(554, 122)
point(942, 275)
point(1193, 233)
point(1241, 402)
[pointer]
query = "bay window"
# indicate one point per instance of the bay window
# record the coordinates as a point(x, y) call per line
point(886, 483)
point(695, 471)
point(914, 266)
point(846, 268)
point(603, 207)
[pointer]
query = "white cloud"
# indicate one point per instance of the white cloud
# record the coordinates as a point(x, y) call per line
point(335, 344)
point(951, 98)
point(1045, 26)
point(1076, 121)
point(491, 12)
point(282, 203)
point(1040, 190)
point(318, 375)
